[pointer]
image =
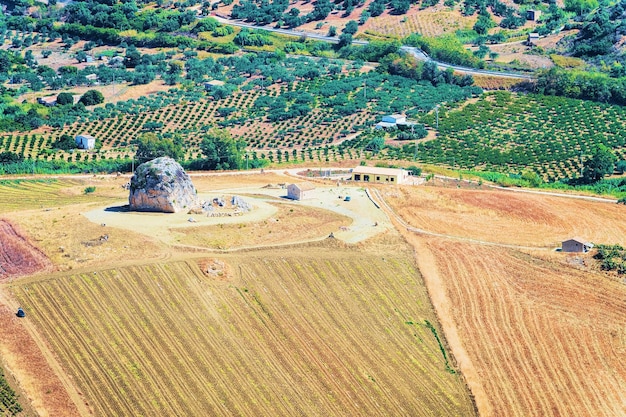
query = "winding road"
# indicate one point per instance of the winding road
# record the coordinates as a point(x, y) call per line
point(416, 52)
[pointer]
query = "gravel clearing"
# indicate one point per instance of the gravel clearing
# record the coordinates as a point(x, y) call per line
point(367, 219)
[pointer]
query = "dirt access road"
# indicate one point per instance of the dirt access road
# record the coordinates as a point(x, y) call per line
point(367, 219)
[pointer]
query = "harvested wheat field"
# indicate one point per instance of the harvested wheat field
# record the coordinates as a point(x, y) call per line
point(544, 339)
point(534, 333)
point(508, 217)
point(315, 330)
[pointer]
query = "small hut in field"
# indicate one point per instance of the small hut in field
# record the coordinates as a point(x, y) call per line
point(300, 191)
point(576, 244)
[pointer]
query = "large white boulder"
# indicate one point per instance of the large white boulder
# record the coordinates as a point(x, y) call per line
point(161, 185)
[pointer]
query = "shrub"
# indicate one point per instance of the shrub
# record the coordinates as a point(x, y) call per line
point(89, 190)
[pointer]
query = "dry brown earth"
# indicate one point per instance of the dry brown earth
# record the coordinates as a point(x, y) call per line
point(535, 333)
point(508, 217)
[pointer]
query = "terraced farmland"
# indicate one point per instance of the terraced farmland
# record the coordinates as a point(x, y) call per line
point(332, 332)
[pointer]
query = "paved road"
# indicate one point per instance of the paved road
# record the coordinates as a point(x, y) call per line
point(416, 52)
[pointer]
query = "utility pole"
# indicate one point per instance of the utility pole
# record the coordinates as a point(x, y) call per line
point(437, 116)
point(364, 90)
point(415, 154)
point(247, 161)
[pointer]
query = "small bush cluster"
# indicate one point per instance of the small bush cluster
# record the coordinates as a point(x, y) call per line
point(611, 257)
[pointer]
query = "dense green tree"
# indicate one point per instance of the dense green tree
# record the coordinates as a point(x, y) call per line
point(132, 57)
point(601, 163)
point(151, 146)
point(91, 98)
point(580, 6)
point(351, 27)
point(65, 143)
point(221, 151)
point(65, 98)
point(10, 157)
point(81, 56)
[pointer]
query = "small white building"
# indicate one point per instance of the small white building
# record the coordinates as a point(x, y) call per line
point(84, 141)
point(394, 118)
point(533, 15)
point(532, 39)
point(48, 101)
point(210, 85)
point(300, 191)
point(380, 175)
point(393, 121)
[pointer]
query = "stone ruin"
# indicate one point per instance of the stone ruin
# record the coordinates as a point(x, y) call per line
point(161, 185)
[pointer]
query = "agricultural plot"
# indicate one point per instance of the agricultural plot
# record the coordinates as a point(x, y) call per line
point(26, 194)
point(17, 255)
point(546, 339)
point(543, 332)
point(425, 22)
point(282, 121)
point(509, 218)
point(332, 332)
point(508, 132)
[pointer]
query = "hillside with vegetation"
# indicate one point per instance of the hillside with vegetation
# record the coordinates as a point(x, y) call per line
point(278, 99)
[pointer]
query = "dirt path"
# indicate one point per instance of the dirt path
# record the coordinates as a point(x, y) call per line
point(436, 287)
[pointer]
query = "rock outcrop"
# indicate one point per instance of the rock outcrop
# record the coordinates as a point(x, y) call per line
point(161, 185)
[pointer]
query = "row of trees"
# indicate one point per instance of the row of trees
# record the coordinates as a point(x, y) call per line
point(220, 150)
point(594, 86)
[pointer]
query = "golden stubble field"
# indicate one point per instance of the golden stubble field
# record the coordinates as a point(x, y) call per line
point(309, 331)
point(536, 333)
point(132, 325)
point(135, 325)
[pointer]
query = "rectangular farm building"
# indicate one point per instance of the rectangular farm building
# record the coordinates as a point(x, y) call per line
point(380, 175)
point(300, 191)
point(576, 244)
point(84, 141)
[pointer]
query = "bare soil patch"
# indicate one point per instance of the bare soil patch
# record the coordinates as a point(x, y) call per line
point(17, 256)
point(507, 217)
point(290, 223)
point(45, 393)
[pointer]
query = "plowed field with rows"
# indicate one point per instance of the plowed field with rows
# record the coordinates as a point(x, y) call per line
point(536, 332)
point(306, 331)
point(546, 339)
